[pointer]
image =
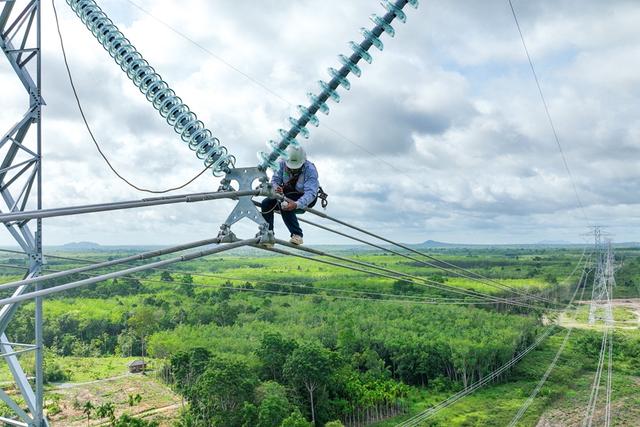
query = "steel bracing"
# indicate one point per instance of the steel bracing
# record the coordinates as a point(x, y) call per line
point(603, 281)
point(21, 189)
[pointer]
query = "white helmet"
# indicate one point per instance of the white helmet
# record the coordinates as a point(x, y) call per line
point(295, 157)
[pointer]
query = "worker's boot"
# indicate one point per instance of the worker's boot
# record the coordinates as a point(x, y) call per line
point(296, 240)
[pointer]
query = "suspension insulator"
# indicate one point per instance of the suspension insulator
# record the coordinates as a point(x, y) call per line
point(338, 78)
point(178, 115)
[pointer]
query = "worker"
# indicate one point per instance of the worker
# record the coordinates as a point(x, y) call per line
point(297, 180)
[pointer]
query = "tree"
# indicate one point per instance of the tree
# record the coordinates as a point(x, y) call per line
point(143, 322)
point(126, 343)
point(295, 420)
point(87, 409)
point(134, 399)
point(165, 276)
point(309, 366)
point(273, 352)
point(126, 420)
point(221, 390)
point(106, 410)
point(186, 285)
point(273, 404)
point(187, 366)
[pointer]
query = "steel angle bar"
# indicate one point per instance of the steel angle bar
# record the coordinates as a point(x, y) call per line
point(18, 375)
point(24, 121)
point(23, 50)
point(26, 187)
point(6, 11)
point(20, 19)
point(18, 344)
point(17, 409)
point(15, 352)
point(17, 165)
point(108, 276)
point(9, 420)
point(137, 257)
point(24, 62)
point(103, 207)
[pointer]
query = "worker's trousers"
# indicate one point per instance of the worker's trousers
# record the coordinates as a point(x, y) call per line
point(269, 206)
point(290, 218)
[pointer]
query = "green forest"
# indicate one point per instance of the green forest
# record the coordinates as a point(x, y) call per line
point(254, 340)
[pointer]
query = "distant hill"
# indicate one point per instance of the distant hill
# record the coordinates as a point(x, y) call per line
point(436, 244)
point(85, 246)
point(553, 242)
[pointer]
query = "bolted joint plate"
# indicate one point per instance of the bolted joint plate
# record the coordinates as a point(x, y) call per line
point(245, 177)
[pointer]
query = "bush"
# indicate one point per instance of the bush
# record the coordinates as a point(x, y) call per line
point(295, 420)
point(53, 372)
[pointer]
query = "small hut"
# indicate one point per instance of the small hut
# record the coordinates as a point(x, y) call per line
point(137, 366)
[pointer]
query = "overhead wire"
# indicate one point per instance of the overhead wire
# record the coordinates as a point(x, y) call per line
point(314, 287)
point(525, 406)
point(430, 264)
point(391, 274)
point(398, 275)
point(78, 271)
point(595, 387)
point(18, 297)
point(367, 296)
point(546, 109)
point(419, 418)
point(607, 422)
point(88, 127)
point(469, 274)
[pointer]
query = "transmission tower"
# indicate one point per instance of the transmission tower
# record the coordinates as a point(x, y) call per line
point(21, 189)
point(603, 280)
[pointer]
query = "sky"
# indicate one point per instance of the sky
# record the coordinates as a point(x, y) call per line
point(443, 137)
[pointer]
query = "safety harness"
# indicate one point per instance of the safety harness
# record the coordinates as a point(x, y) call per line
point(289, 188)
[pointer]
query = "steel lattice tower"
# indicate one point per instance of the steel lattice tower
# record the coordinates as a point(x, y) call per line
point(21, 189)
point(603, 281)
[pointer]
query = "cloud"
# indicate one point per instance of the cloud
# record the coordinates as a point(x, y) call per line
point(443, 137)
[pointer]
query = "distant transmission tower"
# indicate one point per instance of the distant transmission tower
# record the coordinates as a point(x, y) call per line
point(603, 281)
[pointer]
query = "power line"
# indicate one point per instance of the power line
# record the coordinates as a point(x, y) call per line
point(86, 123)
point(609, 382)
point(187, 257)
point(552, 365)
point(100, 265)
point(440, 267)
point(419, 418)
point(367, 296)
point(595, 387)
point(407, 248)
point(395, 275)
point(389, 273)
point(546, 109)
point(368, 293)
